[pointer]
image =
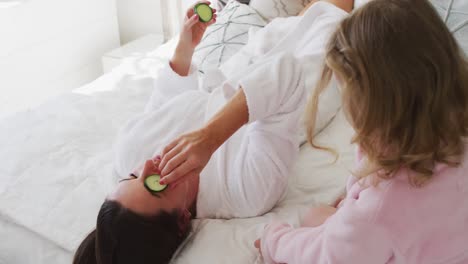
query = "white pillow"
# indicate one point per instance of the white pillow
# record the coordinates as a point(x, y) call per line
point(270, 9)
point(329, 101)
point(227, 36)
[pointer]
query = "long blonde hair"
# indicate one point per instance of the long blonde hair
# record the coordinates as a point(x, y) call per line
point(404, 86)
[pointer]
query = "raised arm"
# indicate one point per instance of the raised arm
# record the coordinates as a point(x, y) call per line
point(274, 86)
point(178, 75)
point(190, 36)
point(188, 155)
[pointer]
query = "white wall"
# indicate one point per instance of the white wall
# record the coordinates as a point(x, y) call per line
point(52, 46)
point(138, 18)
point(141, 17)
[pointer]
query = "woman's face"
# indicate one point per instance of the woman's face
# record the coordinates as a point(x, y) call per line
point(132, 194)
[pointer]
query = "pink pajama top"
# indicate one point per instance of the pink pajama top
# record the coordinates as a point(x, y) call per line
point(392, 222)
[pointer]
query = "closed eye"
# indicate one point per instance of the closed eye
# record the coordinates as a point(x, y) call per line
point(132, 177)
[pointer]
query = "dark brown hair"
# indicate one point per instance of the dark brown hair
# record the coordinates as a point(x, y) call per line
point(124, 237)
point(404, 85)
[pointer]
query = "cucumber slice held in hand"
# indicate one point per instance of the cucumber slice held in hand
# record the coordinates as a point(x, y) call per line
point(204, 12)
point(153, 185)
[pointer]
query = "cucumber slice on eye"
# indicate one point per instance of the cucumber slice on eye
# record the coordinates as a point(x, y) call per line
point(204, 12)
point(153, 185)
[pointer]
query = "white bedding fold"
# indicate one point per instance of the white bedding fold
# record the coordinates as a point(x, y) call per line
point(55, 175)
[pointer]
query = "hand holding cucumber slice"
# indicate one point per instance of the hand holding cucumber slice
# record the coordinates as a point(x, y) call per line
point(152, 184)
point(204, 12)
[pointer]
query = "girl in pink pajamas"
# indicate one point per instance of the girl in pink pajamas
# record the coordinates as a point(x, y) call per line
point(404, 85)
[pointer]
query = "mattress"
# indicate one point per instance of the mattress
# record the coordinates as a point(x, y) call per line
point(21, 245)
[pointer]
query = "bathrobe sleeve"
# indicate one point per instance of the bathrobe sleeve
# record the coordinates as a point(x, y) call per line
point(350, 236)
point(169, 84)
point(270, 87)
point(256, 166)
point(275, 93)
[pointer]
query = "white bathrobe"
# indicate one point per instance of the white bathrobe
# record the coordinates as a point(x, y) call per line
point(248, 174)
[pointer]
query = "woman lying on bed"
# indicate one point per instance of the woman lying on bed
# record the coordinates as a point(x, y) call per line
point(244, 135)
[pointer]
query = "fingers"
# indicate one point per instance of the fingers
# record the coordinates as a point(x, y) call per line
point(149, 168)
point(179, 172)
point(168, 157)
point(173, 163)
point(194, 19)
point(191, 22)
point(202, 26)
point(257, 243)
point(190, 13)
point(213, 20)
point(338, 201)
point(185, 177)
point(190, 9)
point(168, 147)
point(156, 162)
point(200, 2)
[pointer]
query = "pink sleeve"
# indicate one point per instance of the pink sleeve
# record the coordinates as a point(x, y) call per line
point(347, 237)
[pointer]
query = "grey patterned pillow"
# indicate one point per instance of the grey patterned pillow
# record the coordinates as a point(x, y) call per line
point(270, 9)
point(222, 3)
point(455, 15)
point(227, 36)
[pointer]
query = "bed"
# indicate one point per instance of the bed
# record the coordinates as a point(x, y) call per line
point(66, 144)
point(73, 134)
